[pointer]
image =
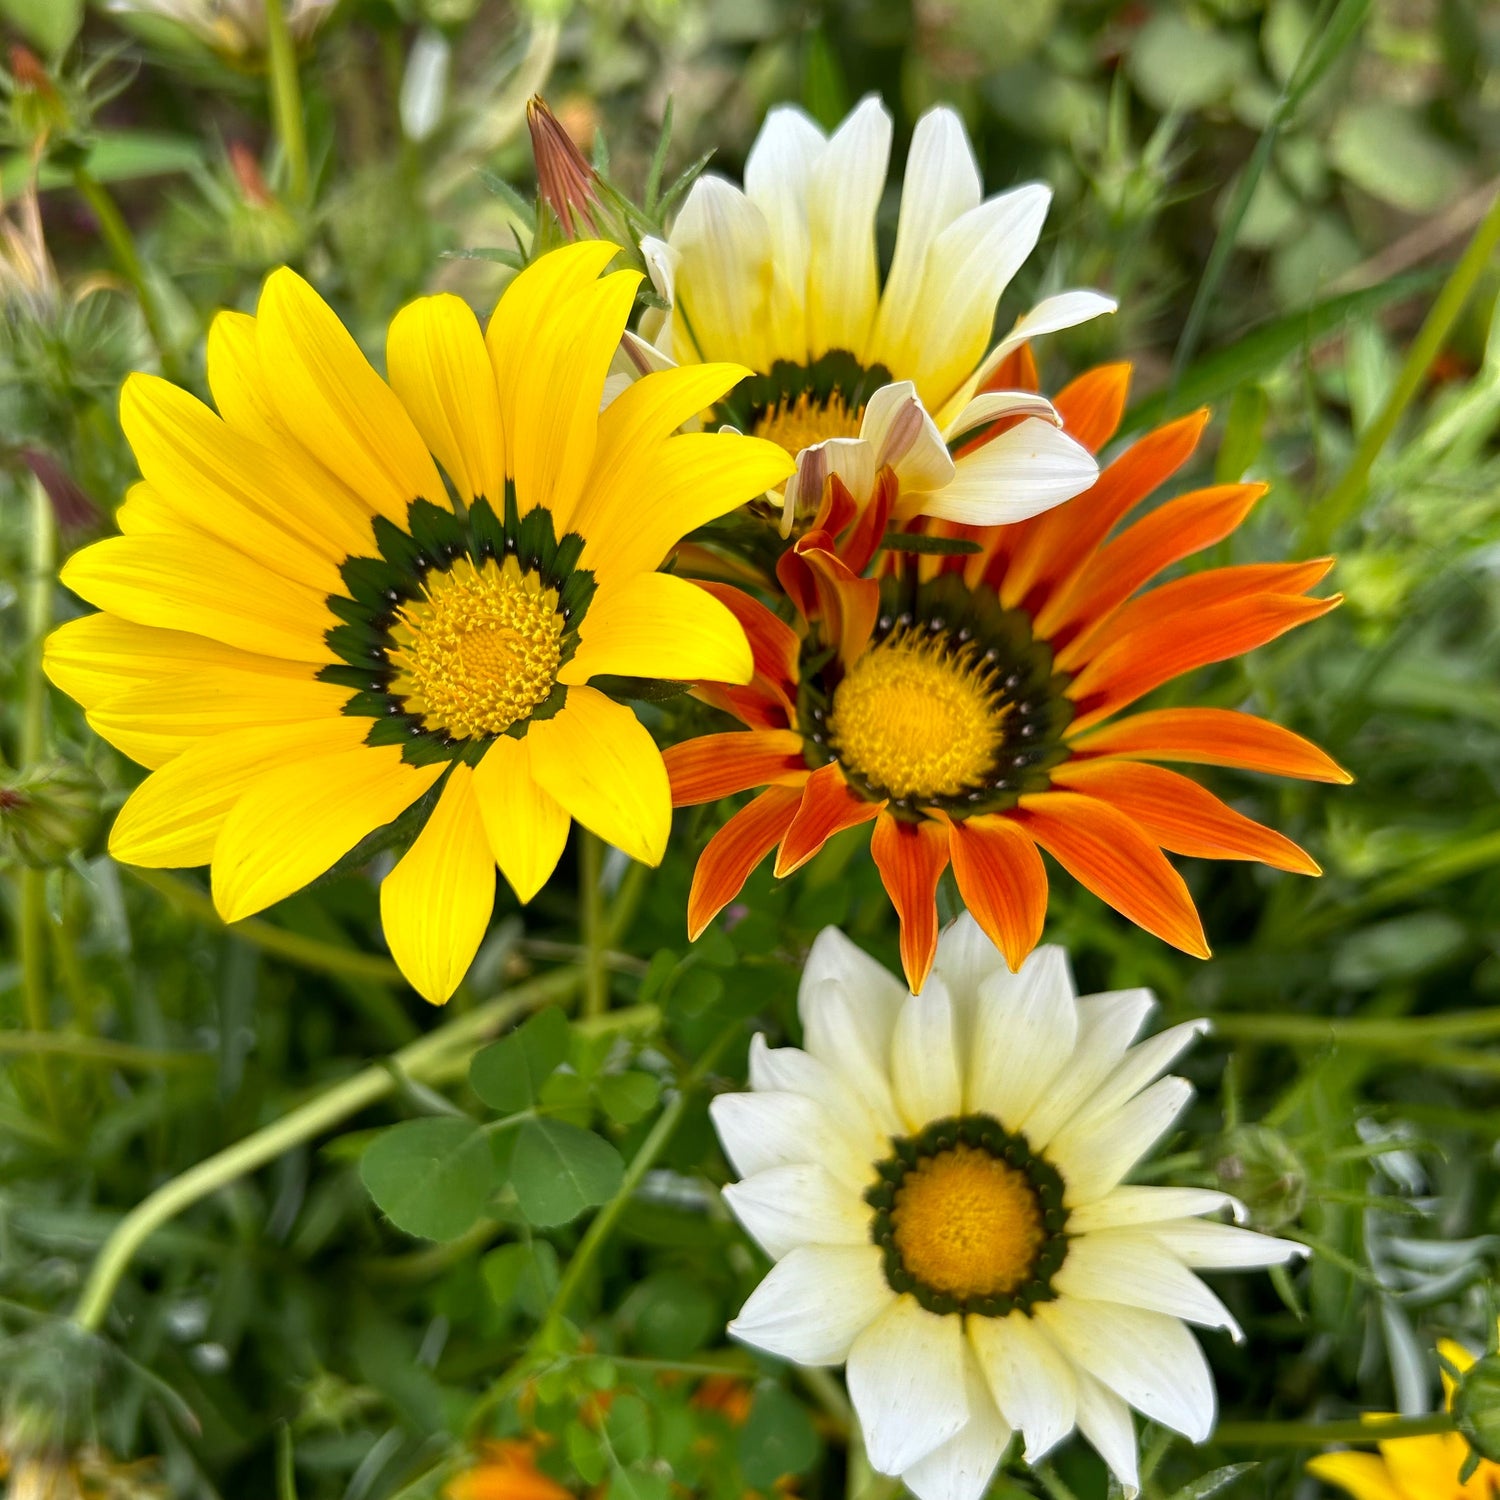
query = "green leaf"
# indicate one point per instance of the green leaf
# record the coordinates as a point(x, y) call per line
point(48, 24)
point(639, 1483)
point(559, 1170)
point(628, 1097)
point(120, 156)
point(1389, 151)
point(431, 1178)
point(508, 1075)
point(1214, 1481)
point(946, 546)
point(777, 1439)
point(585, 1452)
point(670, 1316)
point(629, 1427)
point(522, 1275)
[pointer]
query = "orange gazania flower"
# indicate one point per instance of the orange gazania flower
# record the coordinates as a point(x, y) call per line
point(506, 1471)
point(967, 705)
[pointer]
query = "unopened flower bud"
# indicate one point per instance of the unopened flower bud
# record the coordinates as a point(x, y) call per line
point(1259, 1168)
point(1476, 1407)
point(38, 109)
point(567, 183)
point(49, 812)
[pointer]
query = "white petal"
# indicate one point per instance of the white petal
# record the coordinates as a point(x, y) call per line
point(1106, 1025)
point(844, 190)
point(1094, 1159)
point(659, 329)
point(839, 1029)
point(1129, 1206)
point(906, 1380)
point(1029, 1377)
point(723, 280)
point(1024, 1032)
point(833, 956)
point(1148, 1358)
point(941, 183)
point(644, 356)
point(962, 1468)
point(1021, 473)
point(764, 1130)
point(1104, 1420)
point(1197, 1242)
point(790, 1068)
point(924, 1059)
point(1134, 1268)
point(798, 1205)
point(990, 406)
point(902, 435)
point(1051, 315)
point(1136, 1069)
point(777, 173)
point(965, 958)
point(815, 1303)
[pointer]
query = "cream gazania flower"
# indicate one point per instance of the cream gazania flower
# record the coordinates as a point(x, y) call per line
point(939, 1180)
point(307, 632)
point(783, 277)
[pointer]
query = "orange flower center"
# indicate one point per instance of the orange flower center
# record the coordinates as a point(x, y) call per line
point(799, 423)
point(967, 1224)
point(479, 651)
point(917, 717)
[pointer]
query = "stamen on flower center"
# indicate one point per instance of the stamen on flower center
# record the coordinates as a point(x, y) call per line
point(967, 1224)
point(917, 716)
point(479, 650)
point(799, 423)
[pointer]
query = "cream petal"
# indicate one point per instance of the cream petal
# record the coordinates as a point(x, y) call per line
point(1133, 1268)
point(1223, 1247)
point(961, 1469)
point(965, 958)
point(903, 436)
point(941, 183)
point(906, 1381)
point(1128, 1206)
point(775, 1129)
point(840, 1027)
point(1024, 1032)
point(796, 1205)
point(924, 1058)
point(659, 330)
point(843, 192)
point(1092, 1160)
point(792, 1069)
point(990, 406)
point(1105, 1421)
point(1029, 1377)
point(1140, 1066)
point(1148, 1358)
point(814, 1304)
point(724, 278)
point(834, 957)
point(1031, 468)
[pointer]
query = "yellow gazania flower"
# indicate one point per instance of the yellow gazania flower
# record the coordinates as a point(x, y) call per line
point(1414, 1468)
point(783, 276)
point(306, 631)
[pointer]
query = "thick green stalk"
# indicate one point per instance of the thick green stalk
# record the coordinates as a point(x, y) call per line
point(1315, 1434)
point(286, 100)
point(1375, 1032)
point(420, 1060)
point(1341, 502)
point(99, 1050)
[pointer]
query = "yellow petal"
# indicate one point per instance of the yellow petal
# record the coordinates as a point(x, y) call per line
point(440, 369)
point(1363, 1475)
point(436, 903)
point(1422, 1466)
point(173, 817)
point(145, 513)
point(599, 762)
point(96, 656)
point(200, 585)
point(655, 625)
point(298, 820)
point(527, 827)
point(154, 721)
point(661, 496)
point(337, 406)
point(230, 487)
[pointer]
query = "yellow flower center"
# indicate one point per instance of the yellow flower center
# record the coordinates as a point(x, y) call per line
point(916, 717)
point(967, 1224)
point(479, 651)
point(800, 423)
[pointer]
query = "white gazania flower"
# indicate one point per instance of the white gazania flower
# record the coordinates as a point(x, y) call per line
point(783, 277)
point(939, 1180)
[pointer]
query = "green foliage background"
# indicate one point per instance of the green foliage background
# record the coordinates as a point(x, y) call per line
point(1276, 193)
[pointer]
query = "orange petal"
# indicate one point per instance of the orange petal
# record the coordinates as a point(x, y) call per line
point(836, 508)
point(1054, 545)
point(848, 604)
point(718, 765)
point(828, 807)
point(1108, 853)
point(1214, 737)
point(1181, 815)
point(735, 850)
point(1130, 668)
point(773, 643)
point(1171, 532)
point(1092, 405)
point(911, 858)
point(1002, 880)
point(1016, 372)
point(869, 527)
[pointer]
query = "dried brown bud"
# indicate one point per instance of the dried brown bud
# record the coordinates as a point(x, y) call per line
point(564, 177)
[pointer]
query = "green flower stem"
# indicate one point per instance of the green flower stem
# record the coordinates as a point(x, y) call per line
point(1316, 1434)
point(1340, 503)
point(99, 1050)
point(420, 1060)
point(286, 100)
point(595, 933)
point(127, 259)
point(1377, 1034)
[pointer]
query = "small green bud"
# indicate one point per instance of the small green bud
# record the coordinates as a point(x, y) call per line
point(49, 812)
point(1476, 1407)
point(1264, 1173)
